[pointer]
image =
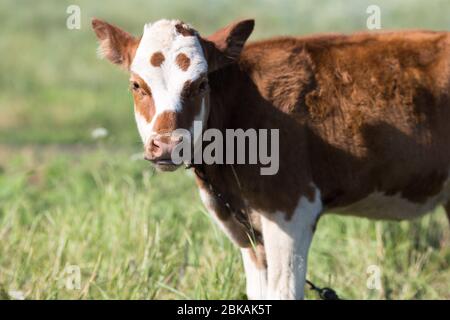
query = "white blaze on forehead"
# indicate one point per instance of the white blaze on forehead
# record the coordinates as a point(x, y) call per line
point(167, 80)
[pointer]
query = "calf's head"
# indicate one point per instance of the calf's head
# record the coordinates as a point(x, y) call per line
point(169, 66)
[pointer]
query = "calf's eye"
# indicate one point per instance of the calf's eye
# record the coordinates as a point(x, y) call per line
point(135, 85)
point(202, 86)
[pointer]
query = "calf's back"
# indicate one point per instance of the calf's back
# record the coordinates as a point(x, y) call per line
point(377, 110)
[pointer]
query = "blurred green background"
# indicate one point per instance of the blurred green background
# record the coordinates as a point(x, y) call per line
point(67, 198)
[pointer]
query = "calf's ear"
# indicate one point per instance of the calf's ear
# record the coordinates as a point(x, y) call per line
point(225, 45)
point(116, 45)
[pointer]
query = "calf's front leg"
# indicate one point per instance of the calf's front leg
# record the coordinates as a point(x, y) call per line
point(255, 271)
point(253, 253)
point(287, 239)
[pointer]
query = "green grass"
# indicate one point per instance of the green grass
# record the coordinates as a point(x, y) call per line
point(140, 235)
point(67, 200)
point(135, 234)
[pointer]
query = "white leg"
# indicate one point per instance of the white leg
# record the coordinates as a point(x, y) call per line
point(255, 272)
point(287, 244)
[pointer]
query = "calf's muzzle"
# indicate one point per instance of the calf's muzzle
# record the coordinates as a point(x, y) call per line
point(159, 151)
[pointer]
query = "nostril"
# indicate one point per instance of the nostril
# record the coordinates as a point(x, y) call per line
point(155, 148)
point(155, 144)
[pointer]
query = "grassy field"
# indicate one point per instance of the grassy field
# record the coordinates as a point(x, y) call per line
point(70, 201)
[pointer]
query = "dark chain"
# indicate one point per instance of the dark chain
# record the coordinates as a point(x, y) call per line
point(243, 218)
point(324, 293)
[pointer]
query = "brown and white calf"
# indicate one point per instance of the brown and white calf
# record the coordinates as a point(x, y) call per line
point(363, 119)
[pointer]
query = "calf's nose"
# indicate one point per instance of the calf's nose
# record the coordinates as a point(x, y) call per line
point(160, 148)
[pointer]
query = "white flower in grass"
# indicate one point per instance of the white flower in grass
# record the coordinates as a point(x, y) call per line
point(16, 295)
point(99, 133)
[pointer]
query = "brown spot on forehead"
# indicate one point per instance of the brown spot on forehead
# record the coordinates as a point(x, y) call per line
point(183, 61)
point(157, 59)
point(184, 30)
